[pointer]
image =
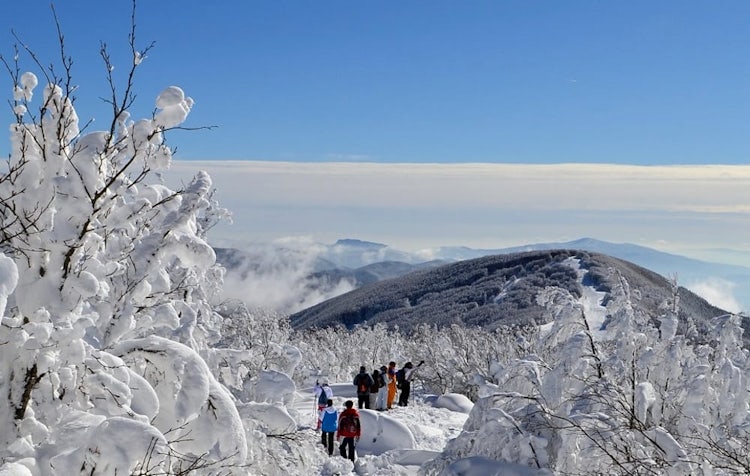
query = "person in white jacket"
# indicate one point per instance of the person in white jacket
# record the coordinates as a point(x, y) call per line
point(381, 401)
point(323, 392)
point(404, 377)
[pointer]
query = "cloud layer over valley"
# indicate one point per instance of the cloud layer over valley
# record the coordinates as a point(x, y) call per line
point(680, 209)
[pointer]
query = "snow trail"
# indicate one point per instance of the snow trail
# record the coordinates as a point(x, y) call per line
point(591, 300)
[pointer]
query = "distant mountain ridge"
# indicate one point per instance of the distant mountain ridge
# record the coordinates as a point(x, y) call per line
point(650, 258)
point(503, 290)
point(687, 271)
point(353, 254)
point(360, 262)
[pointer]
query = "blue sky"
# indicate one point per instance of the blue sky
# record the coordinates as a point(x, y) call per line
point(645, 97)
point(636, 82)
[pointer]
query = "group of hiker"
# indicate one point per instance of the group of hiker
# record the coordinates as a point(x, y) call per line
point(378, 390)
point(375, 391)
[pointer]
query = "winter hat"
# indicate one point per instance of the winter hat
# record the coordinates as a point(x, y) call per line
point(362, 369)
point(324, 381)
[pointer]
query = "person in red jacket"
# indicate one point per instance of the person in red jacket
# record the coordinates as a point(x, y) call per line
point(350, 429)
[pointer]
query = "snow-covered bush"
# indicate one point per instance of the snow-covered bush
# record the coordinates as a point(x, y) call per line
point(458, 358)
point(252, 341)
point(614, 396)
point(337, 353)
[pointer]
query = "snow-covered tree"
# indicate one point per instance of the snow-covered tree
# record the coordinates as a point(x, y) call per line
point(105, 287)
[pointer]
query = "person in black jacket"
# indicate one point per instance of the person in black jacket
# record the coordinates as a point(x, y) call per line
point(377, 382)
point(363, 381)
point(403, 379)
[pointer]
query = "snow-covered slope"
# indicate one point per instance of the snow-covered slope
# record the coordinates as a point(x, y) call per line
point(724, 285)
point(498, 290)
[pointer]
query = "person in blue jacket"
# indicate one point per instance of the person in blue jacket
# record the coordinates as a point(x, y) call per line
point(329, 418)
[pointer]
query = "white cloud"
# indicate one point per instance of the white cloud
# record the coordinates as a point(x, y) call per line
point(279, 277)
point(718, 292)
point(487, 205)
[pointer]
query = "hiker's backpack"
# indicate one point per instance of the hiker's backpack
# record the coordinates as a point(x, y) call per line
point(400, 377)
point(363, 384)
point(323, 398)
point(348, 424)
point(375, 385)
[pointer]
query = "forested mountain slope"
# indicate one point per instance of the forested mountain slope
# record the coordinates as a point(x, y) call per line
point(500, 290)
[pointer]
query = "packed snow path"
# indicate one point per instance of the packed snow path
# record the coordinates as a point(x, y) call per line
point(397, 441)
point(591, 300)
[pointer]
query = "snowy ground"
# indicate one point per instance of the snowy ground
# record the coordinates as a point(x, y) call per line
point(394, 442)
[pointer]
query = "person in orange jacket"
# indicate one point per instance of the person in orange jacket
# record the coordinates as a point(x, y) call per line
point(350, 429)
point(391, 380)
